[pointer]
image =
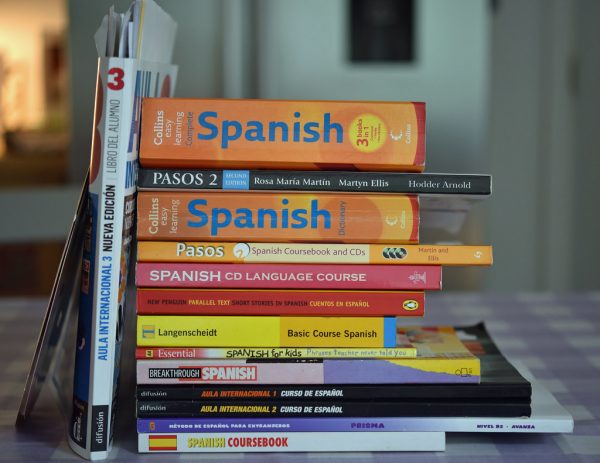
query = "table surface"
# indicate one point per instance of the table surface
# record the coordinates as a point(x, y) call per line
point(556, 336)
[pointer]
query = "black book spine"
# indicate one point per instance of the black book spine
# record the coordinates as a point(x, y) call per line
point(338, 181)
point(460, 392)
point(277, 409)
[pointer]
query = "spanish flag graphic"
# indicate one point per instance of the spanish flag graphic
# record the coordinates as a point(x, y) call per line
point(162, 442)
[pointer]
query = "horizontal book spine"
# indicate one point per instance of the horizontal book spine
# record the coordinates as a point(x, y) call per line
point(457, 370)
point(352, 425)
point(312, 253)
point(279, 302)
point(289, 276)
point(419, 392)
point(265, 331)
point(268, 134)
point(261, 441)
point(277, 217)
point(316, 408)
point(171, 353)
point(336, 181)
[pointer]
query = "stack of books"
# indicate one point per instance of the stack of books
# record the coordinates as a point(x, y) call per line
point(285, 293)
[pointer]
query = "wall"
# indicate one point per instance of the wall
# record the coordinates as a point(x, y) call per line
point(21, 43)
point(303, 51)
point(514, 143)
point(584, 154)
point(302, 54)
point(197, 52)
point(537, 137)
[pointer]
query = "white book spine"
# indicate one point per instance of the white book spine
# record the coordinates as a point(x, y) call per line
point(108, 193)
point(111, 201)
point(293, 442)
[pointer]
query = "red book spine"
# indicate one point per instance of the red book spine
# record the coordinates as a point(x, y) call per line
point(289, 276)
point(283, 302)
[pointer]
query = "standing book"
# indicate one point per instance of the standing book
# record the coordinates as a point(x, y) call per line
point(133, 64)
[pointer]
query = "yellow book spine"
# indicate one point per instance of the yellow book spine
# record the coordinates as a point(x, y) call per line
point(312, 253)
point(265, 331)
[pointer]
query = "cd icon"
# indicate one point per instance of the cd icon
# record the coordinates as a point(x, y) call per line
point(400, 253)
point(241, 250)
point(395, 253)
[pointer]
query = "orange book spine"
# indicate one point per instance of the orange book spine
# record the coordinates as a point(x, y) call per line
point(312, 253)
point(282, 134)
point(266, 217)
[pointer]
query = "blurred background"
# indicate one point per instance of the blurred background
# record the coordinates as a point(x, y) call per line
point(511, 86)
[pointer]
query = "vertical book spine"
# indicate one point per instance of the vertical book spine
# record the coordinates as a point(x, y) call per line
point(120, 87)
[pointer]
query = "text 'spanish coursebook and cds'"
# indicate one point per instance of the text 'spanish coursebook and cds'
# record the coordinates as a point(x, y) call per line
point(312, 253)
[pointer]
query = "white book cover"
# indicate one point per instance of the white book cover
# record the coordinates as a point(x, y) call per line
point(121, 84)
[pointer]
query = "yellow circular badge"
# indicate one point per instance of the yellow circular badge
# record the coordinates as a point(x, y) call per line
point(410, 305)
point(367, 133)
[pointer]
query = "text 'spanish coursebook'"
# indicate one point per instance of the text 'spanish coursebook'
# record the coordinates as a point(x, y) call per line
point(135, 50)
point(264, 441)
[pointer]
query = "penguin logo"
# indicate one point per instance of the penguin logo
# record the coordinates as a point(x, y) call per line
point(410, 305)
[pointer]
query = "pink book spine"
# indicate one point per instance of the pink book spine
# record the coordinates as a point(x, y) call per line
point(229, 372)
point(289, 276)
